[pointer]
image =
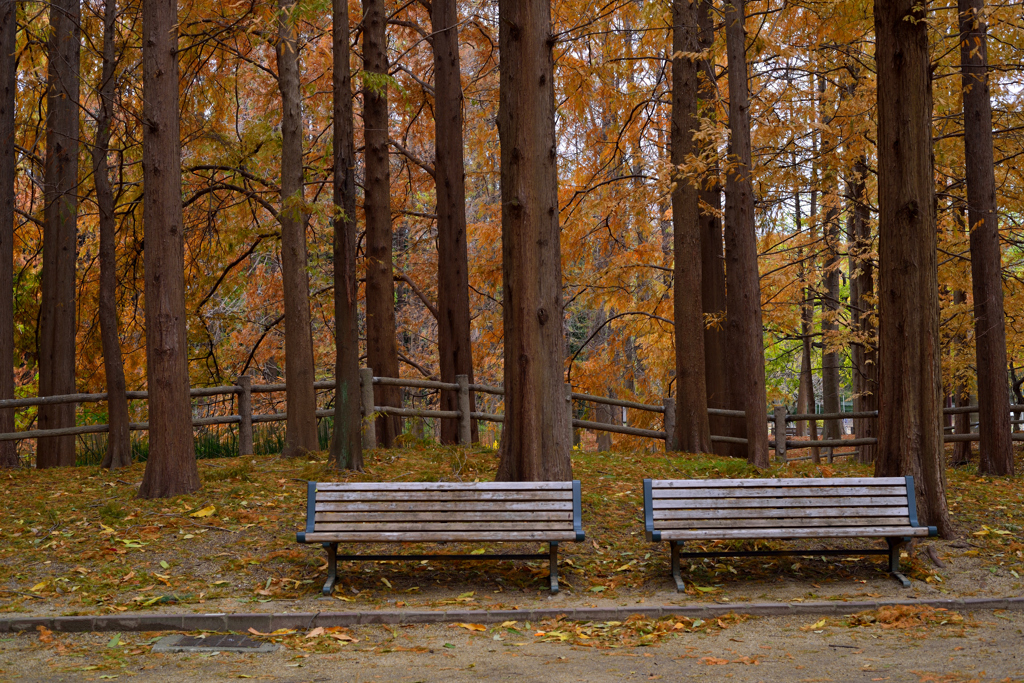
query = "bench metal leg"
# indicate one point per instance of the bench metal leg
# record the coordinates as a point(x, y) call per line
point(894, 560)
point(676, 574)
point(553, 566)
point(332, 567)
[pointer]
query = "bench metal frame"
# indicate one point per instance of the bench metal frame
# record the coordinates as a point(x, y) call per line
point(895, 543)
point(333, 557)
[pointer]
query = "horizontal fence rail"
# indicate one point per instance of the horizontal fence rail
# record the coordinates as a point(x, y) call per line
point(244, 390)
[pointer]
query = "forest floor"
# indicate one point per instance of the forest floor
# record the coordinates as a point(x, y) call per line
point(77, 541)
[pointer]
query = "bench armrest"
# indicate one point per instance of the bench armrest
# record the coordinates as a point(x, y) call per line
point(577, 510)
point(652, 534)
point(310, 512)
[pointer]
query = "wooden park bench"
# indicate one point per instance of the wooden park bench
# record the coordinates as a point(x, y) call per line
point(419, 512)
point(679, 510)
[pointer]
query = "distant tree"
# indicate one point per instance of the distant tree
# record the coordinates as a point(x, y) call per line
point(8, 168)
point(381, 339)
point(692, 431)
point(455, 349)
point(346, 444)
point(909, 373)
point(171, 468)
point(996, 448)
point(537, 436)
point(746, 360)
point(60, 228)
point(119, 448)
point(300, 373)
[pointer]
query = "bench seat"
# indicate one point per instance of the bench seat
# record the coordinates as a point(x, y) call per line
point(679, 510)
point(441, 512)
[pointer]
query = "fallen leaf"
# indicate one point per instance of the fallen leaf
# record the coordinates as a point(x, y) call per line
point(469, 627)
point(318, 631)
point(45, 634)
point(205, 512)
point(39, 586)
point(710, 661)
point(385, 582)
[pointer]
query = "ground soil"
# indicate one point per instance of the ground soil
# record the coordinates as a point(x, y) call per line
point(990, 647)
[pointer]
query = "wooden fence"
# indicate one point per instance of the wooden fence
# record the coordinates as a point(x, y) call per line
point(245, 418)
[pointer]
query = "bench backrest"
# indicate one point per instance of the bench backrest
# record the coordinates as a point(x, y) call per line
point(443, 511)
point(780, 508)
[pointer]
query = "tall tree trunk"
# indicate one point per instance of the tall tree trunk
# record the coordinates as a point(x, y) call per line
point(746, 363)
point(996, 448)
point(119, 448)
point(693, 434)
point(961, 394)
point(537, 439)
point(453, 328)
point(909, 373)
point(8, 168)
point(805, 403)
point(171, 468)
point(299, 372)
point(381, 339)
point(830, 300)
point(712, 260)
point(57, 309)
point(346, 442)
point(865, 365)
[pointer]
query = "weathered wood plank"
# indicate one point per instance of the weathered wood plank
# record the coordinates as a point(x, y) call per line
point(441, 506)
point(777, 492)
point(822, 502)
point(441, 516)
point(443, 495)
point(859, 521)
point(439, 536)
point(413, 527)
point(743, 483)
point(663, 512)
point(795, 532)
point(445, 486)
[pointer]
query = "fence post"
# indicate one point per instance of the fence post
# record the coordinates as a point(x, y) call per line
point(671, 443)
point(568, 399)
point(780, 433)
point(366, 396)
point(244, 384)
point(465, 422)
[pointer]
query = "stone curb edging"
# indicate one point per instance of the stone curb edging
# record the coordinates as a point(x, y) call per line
point(268, 622)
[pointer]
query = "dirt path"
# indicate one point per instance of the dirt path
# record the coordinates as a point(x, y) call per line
point(989, 648)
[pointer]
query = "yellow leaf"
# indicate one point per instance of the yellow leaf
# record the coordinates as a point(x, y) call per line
point(470, 627)
point(385, 582)
point(205, 512)
point(106, 530)
point(508, 624)
point(38, 587)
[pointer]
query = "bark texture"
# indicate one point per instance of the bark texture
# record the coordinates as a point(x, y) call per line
point(693, 434)
point(299, 372)
point(746, 362)
point(119, 449)
point(8, 168)
point(60, 220)
point(537, 438)
point(996, 447)
point(171, 468)
point(864, 353)
point(346, 442)
point(910, 381)
point(712, 258)
point(381, 339)
point(455, 350)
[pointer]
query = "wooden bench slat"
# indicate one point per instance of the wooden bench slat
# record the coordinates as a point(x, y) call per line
point(760, 503)
point(776, 491)
point(795, 532)
point(441, 506)
point(440, 516)
point(859, 521)
point(443, 486)
point(758, 513)
point(380, 496)
point(413, 527)
point(438, 536)
point(757, 483)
